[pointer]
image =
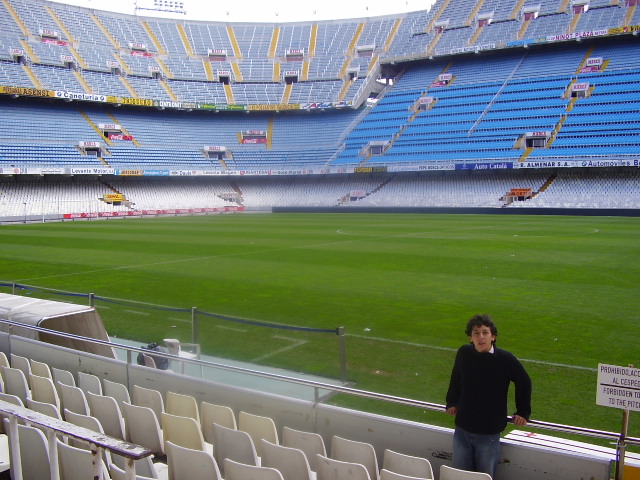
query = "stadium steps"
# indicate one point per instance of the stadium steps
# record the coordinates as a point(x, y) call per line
point(95, 127)
point(472, 16)
point(237, 74)
point(556, 129)
point(234, 42)
point(229, 93)
point(523, 29)
point(128, 86)
point(586, 57)
point(436, 17)
point(185, 39)
point(545, 185)
point(348, 54)
point(392, 35)
point(208, 70)
point(167, 89)
point(574, 23)
point(269, 132)
point(345, 88)
point(124, 130)
point(433, 43)
point(276, 71)
point(516, 11)
point(154, 39)
point(30, 52)
point(106, 33)
point(274, 42)
point(124, 66)
point(286, 95)
point(82, 81)
point(80, 61)
point(472, 40)
point(525, 154)
point(629, 15)
point(32, 76)
point(163, 67)
point(16, 18)
point(563, 6)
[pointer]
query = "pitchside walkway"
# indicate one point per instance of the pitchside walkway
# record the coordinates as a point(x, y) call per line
point(244, 380)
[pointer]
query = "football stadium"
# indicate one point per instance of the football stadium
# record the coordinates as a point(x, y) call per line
point(238, 250)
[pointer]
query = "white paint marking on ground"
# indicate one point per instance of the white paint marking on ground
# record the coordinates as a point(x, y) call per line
point(136, 312)
point(447, 349)
point(177, 319)
point(233, 329)
point(295, 343)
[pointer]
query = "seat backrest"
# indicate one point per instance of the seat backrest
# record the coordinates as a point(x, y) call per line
point(450, 473)
point(43, 390)
point(15, 383)
point(116, 390)
point(407, 464)
point(84, 421)
point(259, 427)
point(72, 399)
point(233, 444)
point(4, 361)
point(147, 397)
point(310, 443)
point(291, 462)
point(13, 399)
point(330, 469)
point(187, 463)
point(44, 408)
point(107, 411)
point(220, 414)
point(182, 405)
point(356, 452)
point(34, 453)
point(183, 431)
point(173, 346)
point(389, 475)
point(142, 427)
point(149, 361)
point(63, 376)
point(240, 471)
point(21, 363)
point(88, 382)
point(77, 463)
point(119, 474)
point(40, 369)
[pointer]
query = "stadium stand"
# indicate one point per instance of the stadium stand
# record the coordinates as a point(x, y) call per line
point(156, 96)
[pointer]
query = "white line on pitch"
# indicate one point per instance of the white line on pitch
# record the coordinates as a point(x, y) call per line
point(295, 344)
point(433, 347)
point(136, 312)
point(233, 329)
point(180, 319)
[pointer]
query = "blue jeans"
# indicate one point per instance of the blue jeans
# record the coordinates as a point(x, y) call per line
point(475, 452)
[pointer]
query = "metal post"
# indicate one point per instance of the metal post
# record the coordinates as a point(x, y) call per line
point(343, 356)
point(194, 325)
point(92, 299)
point(621, 447)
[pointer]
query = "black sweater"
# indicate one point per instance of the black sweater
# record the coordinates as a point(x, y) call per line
point(479, 387)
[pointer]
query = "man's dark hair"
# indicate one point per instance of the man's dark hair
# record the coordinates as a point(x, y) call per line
point(481, 320)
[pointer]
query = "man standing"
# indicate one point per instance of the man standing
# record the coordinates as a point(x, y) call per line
point(477, 397)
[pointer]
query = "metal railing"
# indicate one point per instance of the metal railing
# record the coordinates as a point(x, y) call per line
point(99, 442)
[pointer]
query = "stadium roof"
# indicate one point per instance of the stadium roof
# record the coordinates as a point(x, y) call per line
point(260, 11)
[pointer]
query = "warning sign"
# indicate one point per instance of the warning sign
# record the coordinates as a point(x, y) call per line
point(618, 387)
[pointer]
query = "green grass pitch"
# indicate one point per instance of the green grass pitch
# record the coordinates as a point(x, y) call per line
point(564, 292)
